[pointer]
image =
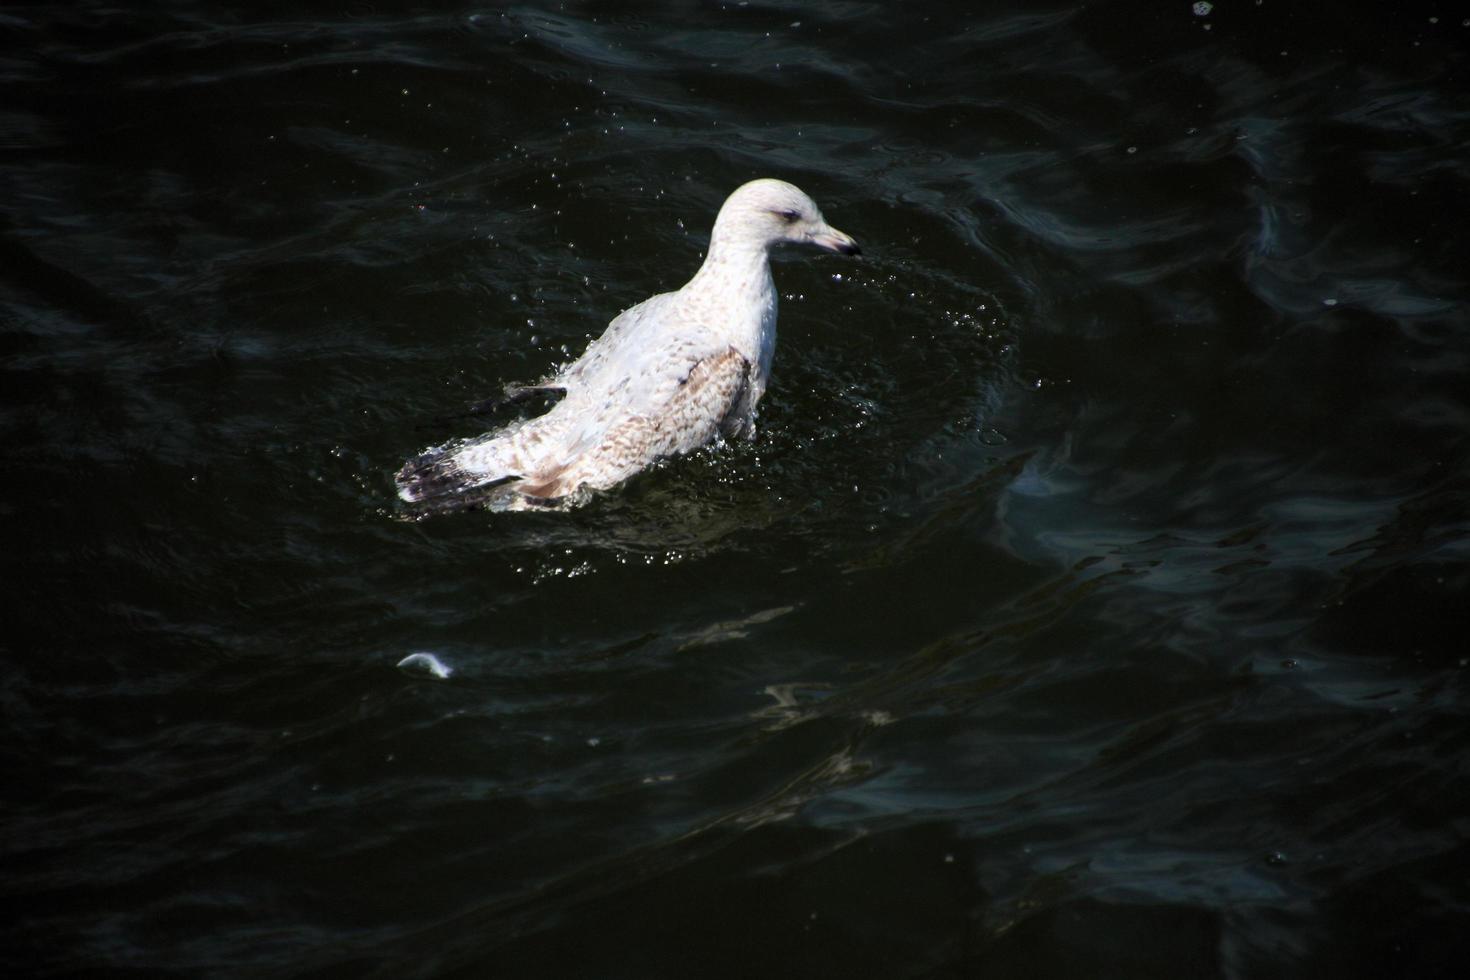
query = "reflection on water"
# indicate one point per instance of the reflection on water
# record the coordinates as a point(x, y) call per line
point(1090, 602)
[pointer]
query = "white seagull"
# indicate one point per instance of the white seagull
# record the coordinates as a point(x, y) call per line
point(667, 376)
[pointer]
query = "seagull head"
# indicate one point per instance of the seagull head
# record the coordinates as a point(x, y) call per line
point(771, 212)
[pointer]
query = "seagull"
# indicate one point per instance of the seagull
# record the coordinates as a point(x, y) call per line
point(670, 375)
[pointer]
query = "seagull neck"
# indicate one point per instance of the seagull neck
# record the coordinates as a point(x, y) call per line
point(734, 261)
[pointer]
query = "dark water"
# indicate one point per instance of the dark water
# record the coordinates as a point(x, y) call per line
point(1093, 602)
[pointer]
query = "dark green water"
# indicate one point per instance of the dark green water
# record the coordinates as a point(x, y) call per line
point(1093, 602)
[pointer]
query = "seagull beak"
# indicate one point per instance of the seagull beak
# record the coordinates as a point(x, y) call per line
point(835, 241)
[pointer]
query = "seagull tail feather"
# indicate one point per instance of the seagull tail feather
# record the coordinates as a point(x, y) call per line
point(435, 481)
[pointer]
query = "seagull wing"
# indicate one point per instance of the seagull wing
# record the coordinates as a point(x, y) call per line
point(686, 415)
point(619, 342)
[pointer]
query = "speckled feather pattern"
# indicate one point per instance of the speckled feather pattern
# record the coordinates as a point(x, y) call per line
point(666, 377)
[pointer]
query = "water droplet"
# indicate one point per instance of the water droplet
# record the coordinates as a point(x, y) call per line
point(992, 437)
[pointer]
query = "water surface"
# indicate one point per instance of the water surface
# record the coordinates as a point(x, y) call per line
point(1091, 603)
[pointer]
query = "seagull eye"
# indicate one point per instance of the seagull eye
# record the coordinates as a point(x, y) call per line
point(789, 215)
